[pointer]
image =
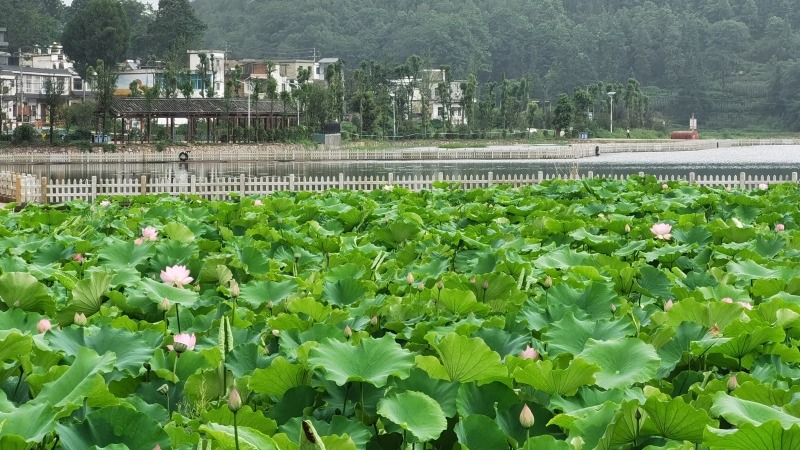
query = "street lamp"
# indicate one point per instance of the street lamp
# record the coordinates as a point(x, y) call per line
point(394, 116)
point(611, 114)
point(249, 97)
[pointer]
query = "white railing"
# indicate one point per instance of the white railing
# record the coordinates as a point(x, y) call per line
point(233, 153)
point(28, 188)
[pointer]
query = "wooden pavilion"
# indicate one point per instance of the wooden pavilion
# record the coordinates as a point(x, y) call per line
point(264, 114)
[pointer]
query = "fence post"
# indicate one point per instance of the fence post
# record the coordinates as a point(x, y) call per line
point(489, 179)
point(242, 185)
point(18, 193)
point(291, 182)
point(590, 175)
point(44, 191)
point(193, 184)
point(391, 177)
point(692, 178)
point(93, 192)
point(341, 181)
point(794, 177)
point(539, 177)
point(143, 185)
point(439, 176)
point(741, 180)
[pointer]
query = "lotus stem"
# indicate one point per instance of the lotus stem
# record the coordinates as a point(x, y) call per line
point(346, 391)
point(178, 316)
point(236, 430)
point(19, 381)
point(175, 366)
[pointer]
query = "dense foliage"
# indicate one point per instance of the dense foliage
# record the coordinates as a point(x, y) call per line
point(715, 58)
point(566, 315)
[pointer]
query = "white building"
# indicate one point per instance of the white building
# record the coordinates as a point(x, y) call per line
point(215, 72)
point(430, 80)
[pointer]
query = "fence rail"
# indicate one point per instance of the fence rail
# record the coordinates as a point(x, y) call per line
point(299, 153)
point(31, 189)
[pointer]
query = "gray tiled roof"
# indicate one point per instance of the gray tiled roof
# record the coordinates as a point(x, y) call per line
point(181, 107)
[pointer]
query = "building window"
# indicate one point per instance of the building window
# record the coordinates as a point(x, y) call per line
point(77, 84)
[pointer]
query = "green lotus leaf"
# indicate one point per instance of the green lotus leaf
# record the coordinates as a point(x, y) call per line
point(119, 425)
point(563, 258)
point(503, 342)
point(246, 358)
point(768, 248)
point(278, 378)
point(770, 435)
point(292, 404)
point(416, 412)
point(30, 423)
point(338, 426)
point(589, 423)
point(251, 259)
point(257, 293)
point(157, 291)
point(396, 233)
point(558, 381)
point(444, 392)
point(485, 399)
point(82, 379)
point(680, 341)
point(178, 232)
point(654, 283)
point(23, 291)
point(746, 337)
point(739, 412)
point(749, 270)
point(591, 301)
point(371, 360)
point(249, 438)
point(508, 419)
point(706, 314)
point(478, 432)
point(132, 350)
point(460, 302)
point(124, 254)
point(466, 359)
point(622, 361)
point(245, 417)
point(545, 443)
point(675, 419)
point(569, 335)
point(14, 346)
point(343, 292)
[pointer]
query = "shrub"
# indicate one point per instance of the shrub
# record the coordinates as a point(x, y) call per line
point(109, 148)
point(24, 134)
point(84, 146)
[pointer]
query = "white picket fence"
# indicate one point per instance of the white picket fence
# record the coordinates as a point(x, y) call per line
point(233, 153)
point(28, 188)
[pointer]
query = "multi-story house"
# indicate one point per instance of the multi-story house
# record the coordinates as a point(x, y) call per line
point(4, 55)
point(431, 81)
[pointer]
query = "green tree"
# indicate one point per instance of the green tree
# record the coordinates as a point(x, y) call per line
point(562, 116)
point(104, 84)
point(176, 26)
point(582, 100)
point(470, 88)
point(99, 30)
point(53, 99)
point(31, 22)
point(80, 115)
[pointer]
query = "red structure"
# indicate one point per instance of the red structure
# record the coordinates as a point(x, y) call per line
point(685, 135)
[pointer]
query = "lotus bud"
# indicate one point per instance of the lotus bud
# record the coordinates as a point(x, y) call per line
point(668, 305)
point(373, 321)
point(163, 389)
point(577, 442)
point(270, 305)
point(276, 333)
point(439, 285)
point(197, 288)
point(779, 227)
point(234, 400)
point(526, 417)
point(296, 257)
point(43, 325)
point(548, 282)
point(79, 258)
point(410, 278)
point(138, 241)
point(638, 415)
point(763, 186)
point(714, 330)
point(627, 228)
point(80, 319)
point(485, 284)
point(728, 189)
point(746, 306)
point(234, 288)
point(664, 186)
point(348, 332)
point(727, 300)
point(529, 353)
point(258, 202)
point(601, 216)
point(157, 447)
point(165, 305)
point(421, 286)
point(733, 383)
point(613, 308)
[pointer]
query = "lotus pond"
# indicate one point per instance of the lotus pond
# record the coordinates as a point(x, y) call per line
point(567, 315)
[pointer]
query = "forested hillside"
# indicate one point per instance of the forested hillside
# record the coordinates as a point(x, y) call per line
point(730, 61)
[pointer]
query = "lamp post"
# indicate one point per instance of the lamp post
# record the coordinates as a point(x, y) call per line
point(611, 114)
point(249, 97)
point(394, 116)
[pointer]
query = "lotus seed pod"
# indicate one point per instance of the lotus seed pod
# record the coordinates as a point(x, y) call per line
point(163, 389)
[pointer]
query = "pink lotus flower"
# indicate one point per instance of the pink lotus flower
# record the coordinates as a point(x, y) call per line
point(176, 276)
point(727, 300)
point(234, 400)
point(668, 305)
point(529, 353)
point(779, 227)
point(78, 258)
point(80, 319)
point(138, 241)
point(258, 203)
point(149, 234)
point(105, 203)
point(763, 186)
point(746, 306)
point(526, 417)
point(186, 340)
point(43, 325)
point(662, 231)
point(664, 186)
point(733, 383)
